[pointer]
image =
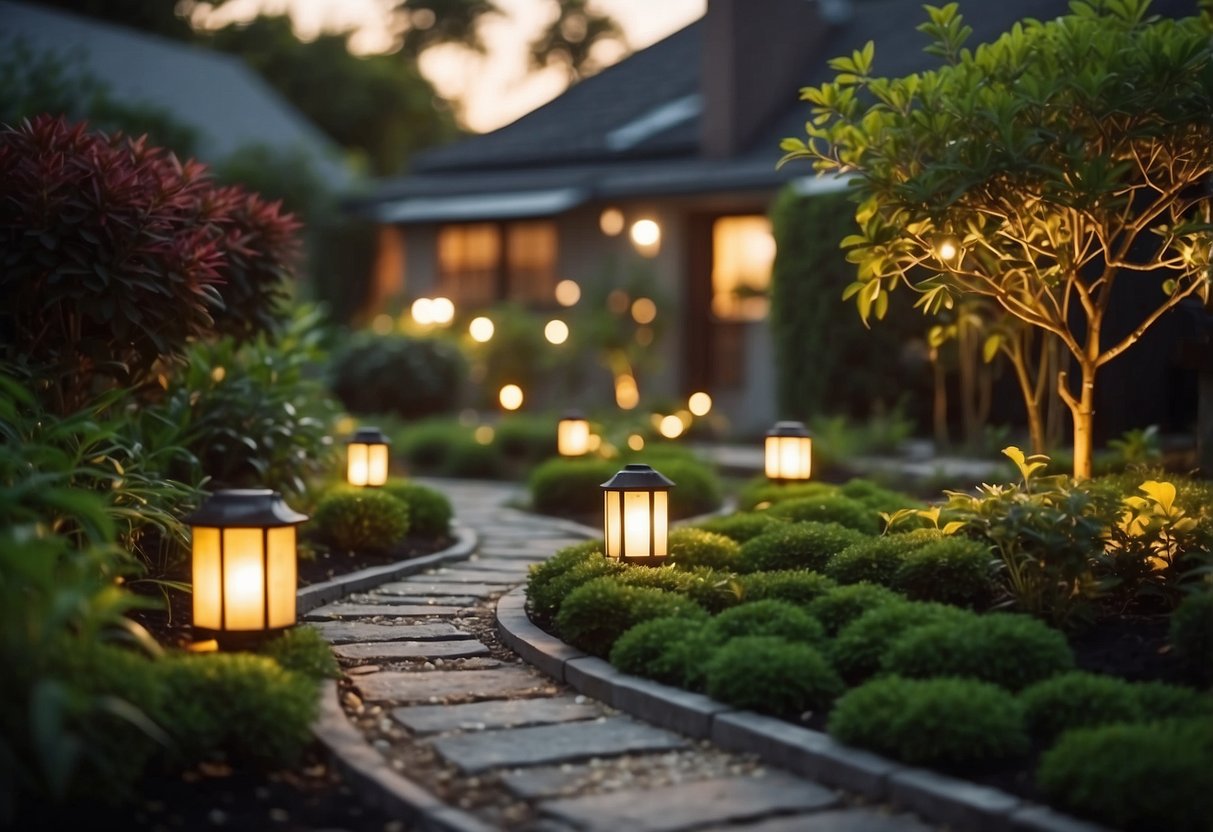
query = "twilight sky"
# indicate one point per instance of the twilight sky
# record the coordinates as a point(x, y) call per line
point(497, 88)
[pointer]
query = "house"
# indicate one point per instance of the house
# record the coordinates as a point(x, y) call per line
point(668, 158)
point(218, 96)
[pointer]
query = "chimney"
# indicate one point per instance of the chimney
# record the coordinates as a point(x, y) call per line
point(755, 53)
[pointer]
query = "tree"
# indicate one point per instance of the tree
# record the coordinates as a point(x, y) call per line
point(570, 38)
point(433, 22)
point(1037, 171)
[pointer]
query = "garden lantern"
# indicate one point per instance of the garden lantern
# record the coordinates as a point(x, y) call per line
point(636, 515)
point(368, 460)
point(789, 452)
point(243, 565)
point(573, 434)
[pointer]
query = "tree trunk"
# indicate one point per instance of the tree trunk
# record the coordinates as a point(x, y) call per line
point(939, 404)
point(1031, 400)
point(1082, 409)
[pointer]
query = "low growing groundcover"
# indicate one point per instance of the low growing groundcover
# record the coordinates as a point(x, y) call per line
point(913, 645)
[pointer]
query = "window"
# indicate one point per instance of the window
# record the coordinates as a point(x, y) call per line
point(482, 263)
point(743, 251)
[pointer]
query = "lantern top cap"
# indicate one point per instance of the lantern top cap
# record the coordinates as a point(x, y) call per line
point(245, 508)
point(369, 436)
point(573, 414)
point(639, 477)
point(788, 429)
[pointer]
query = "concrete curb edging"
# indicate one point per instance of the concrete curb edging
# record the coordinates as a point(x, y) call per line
point(317, 595)
point(376, 782)
point(959, 803)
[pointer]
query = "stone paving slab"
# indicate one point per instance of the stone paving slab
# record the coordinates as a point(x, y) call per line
point(528, 555)
point(416, 600)
point(389, 650)
point(342, 610)
point(427, 586)
point(405, 687)
point(511, 566)
point(542, 781)
point(541, 744)
point(464, 576)
point(838, 820)
point(349, 632)
point(691, 805)
point(478, 716)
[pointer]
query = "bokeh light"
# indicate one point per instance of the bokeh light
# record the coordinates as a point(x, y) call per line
point(483, 434)
point(423, 311)
point(636, 442)
point(611, 222)
point(617, 301)
point(556, 331)
point(481, 329)
point(644, 310)
point(700, 403)
point(442, 310)
point(382, 324)
point(510, 397)
point(594, 443)
point(646, 234)
point(671, 427)
point(627, 394)
point(568, 293)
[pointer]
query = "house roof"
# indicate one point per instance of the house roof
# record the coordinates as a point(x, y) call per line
point(218, 95)
point(634, 129)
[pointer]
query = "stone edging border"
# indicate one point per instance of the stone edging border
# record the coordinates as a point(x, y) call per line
point(960, 804)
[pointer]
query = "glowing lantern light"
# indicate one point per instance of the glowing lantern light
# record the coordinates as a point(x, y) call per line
point(700, 404)
point(644, 310)
point(244, 568)
point(611, 222)
point(483, 434)
point(367, 457)
point(636, 442)
point(568, 293)
point(442, 310)
point(671, 427)
point(627, 394)
point(636, 515)
point(510, 397)
point(481, 329)
point(789, 452)
point(948, 250)
point(556, 331)
point(423, 311)
point(646, 236)
point(573, 434)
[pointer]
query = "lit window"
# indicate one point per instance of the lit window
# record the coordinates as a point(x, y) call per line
point(468, 260)
point(531, 248)
point(743, 251)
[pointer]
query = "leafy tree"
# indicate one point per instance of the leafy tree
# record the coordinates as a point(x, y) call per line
point(1037, 171)
point(569, 40)
point(434, 22)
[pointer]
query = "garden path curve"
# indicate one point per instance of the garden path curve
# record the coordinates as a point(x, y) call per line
point(458, 732)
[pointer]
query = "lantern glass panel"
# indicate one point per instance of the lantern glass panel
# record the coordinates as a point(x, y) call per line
point(377, 465)
point(614, 523)
point(636, 525)
point(789, 457)
point(243, 579)
point(660, 523)
point(208, 590)
point(282, 577)
point(358, 471)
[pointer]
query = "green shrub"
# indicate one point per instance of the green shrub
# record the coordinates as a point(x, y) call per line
point(796, 546)
point(874, 560)
point(841, 605)
point(430, 511)
point(673, 651)
point(740, 527)
point(1078, 700)
point(472, 460)
point(548, 591)
point(951, 571)
point(943, 722)
point(1011, 651)
point(761, 493)
point(596, 613)
point(772, 676)
point(1191, 634)
point(1159, 700)
point(427, 445)
point(861, 644)
point(570, 486)
point(1152, 776)
point(526, 438)
point(877, 497)
point(363, 520)
point(303, 650)
point(796, 586)
point(768, 618)
point(410, 377)
point(829, 508)
point(710, 589)
point(696, 491)
point(690, 548)
point(243, 706)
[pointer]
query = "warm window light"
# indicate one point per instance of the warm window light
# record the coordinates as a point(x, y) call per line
point(510, 397)
point(367, 457)
point(244, 571)
point(556, 331)
point(700, 403)
point(442, 310)
point(423, 311)
point(573, 434)
point(481, 329)
point(646, 236)
point(789, 452)
point(636, 442)
point(568, 293)
point(636, 515)
point(627, 394)
point(611, 222)
point(671, 427)
point(644, 310)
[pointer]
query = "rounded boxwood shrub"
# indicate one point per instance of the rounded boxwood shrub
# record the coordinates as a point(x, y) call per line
point(546, 596)
point(1011, 651)
point(363, 520)
point(526, 438)
point(427, 445)
point(772, 676)
point(952, 571)
point(877, 497)
point(711, 589)
point(768, 618)
point(1148, 776)
point(302, 650)
point(797, 586)
point(761, 493)
point(741, 527)
point(470, 459)
point(690, 548)
point(841, 605)
point(861, 644)
point(1191, 634)
point(411, 377)
point(943, 722)
point(674, 651)
point(874, 560)
point(570, 486)
point(596, 613)
point(696, 490)
point(796, 546)
point(1078, 700)
point(829, 508)
point(1158, 700)
point(429, 510)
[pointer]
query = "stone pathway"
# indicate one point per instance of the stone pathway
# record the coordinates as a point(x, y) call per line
point(432, 688)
